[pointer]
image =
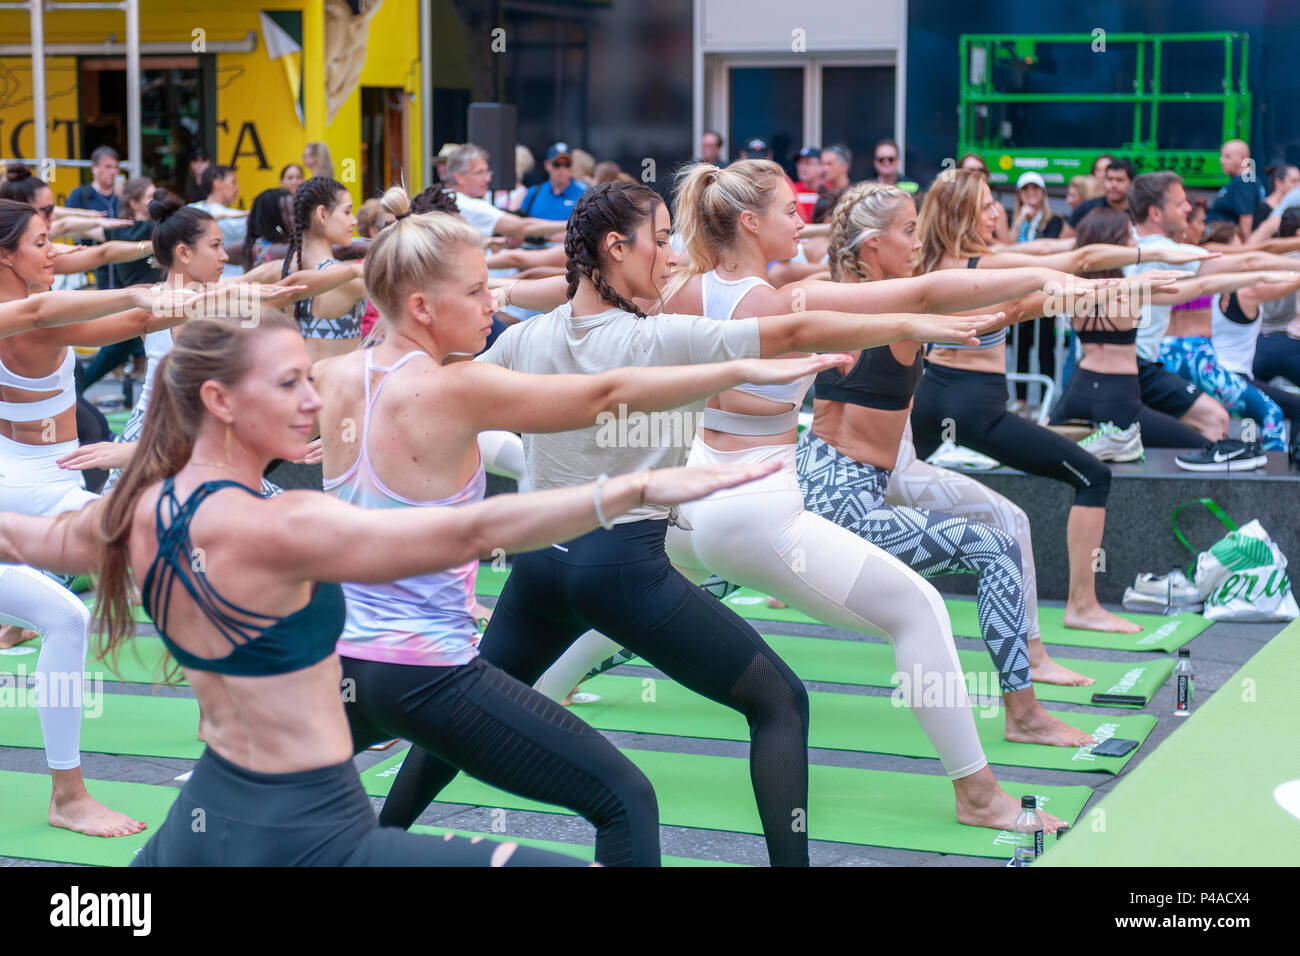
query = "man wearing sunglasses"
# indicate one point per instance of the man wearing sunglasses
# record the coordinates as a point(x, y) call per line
point(100, 194)
point(554, 199)
point(886, 161)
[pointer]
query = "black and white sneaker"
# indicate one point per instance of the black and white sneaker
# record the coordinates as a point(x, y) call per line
point(1227, 455)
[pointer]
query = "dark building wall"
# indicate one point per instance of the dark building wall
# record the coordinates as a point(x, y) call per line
point(934, 27)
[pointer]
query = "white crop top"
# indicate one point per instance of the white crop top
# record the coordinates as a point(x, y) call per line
point(721, 296)
point(61, 378)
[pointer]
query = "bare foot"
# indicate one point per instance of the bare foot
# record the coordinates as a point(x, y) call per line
point(998, 811)
point(85, 814)
point(1097, 618)
point(12, 634)
point(775, 604)
point(1050, 672)
point(1038, 726)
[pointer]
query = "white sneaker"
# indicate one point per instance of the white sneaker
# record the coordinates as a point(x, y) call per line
point(1173, 587)
point(1109, 443)
point(949, 455)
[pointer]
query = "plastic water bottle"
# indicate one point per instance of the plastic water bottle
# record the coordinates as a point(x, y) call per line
point(1183, 683)
point(1029, 832)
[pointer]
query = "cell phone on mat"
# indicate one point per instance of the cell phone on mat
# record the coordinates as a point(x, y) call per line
point(1114, 747)
point(1130, 700)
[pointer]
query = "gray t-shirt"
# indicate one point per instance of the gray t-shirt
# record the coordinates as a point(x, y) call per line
point(618, 444)
point(1155, 318)
point(1276, 314)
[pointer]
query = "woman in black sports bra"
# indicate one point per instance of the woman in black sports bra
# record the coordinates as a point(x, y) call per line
point(244, 591)
point(847, 460)
point(1105, 388)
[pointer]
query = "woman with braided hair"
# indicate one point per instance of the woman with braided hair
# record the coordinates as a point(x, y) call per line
point(618, 580)
point(409, 647)
point(860, 432)
point(322, 218)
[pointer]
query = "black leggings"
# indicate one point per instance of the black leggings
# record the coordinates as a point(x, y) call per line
point(1104, 397)
point(1040, 332)
point(480, 719)
point(970, 408)
point(621, 583)
point(1289, 402)
point(228, 816)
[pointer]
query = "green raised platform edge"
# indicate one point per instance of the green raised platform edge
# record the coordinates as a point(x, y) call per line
point(1223, 790)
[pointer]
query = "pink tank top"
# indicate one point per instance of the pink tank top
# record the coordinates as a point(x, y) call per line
point(422, 620)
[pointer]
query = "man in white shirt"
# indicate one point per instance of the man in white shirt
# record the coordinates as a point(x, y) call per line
point(1159, 207)
point(470, 174)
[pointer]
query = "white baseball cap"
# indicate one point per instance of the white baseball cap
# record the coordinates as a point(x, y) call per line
point(1030, 178)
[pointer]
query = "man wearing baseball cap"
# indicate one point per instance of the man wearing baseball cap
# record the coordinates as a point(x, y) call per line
point(811, 176)
point(554, 198)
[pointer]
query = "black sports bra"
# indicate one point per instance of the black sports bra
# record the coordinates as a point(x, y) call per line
point(1234, 312)
point(877, 380)
point(1102, 330)
point(260, 644)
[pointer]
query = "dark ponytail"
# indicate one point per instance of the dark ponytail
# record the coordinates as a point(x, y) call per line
point(175, 223)
point(317, 191)
point(20, 185)
point(265, 221)
point(605, 208)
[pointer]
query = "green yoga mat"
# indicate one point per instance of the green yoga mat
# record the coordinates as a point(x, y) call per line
point(844, 722)
point(117, 420)
point(864, 807)
point(138, 725)
point(872, 664)
point(568, 849)
point(1160, 633)
point(25, 831)
point(137, 662)
point(1223, 790)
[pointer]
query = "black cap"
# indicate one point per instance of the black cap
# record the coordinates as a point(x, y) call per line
point(756, 146)
point(809, 152)
point(1029, 802)
point(1062, 832)
point(1184, 652)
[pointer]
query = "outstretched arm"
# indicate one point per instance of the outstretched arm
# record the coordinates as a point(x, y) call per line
point(83, 259)
point(552, 403)
point(944, 291)
point(316, 537)
point(63, 308)
point(66, 544)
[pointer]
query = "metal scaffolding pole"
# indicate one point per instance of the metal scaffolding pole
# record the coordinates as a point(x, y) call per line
point(39, 118)
point(134, 139)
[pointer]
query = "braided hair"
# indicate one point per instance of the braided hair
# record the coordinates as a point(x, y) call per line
point(604, 208)
point(864, 211)
point(317, 191)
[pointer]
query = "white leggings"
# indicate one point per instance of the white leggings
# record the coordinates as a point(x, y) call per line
point(919, 484)
point(34, 485)
point(759, 535)
point(30, 599)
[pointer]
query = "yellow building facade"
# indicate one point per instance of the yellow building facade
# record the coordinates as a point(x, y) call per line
point(253, 81)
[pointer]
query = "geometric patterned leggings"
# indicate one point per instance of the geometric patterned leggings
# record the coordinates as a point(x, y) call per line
point(852, 495)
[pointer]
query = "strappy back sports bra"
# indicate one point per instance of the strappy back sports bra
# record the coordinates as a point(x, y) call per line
point(346, 326)
point(260, 643)
point(62, 378)
point(1100, 329)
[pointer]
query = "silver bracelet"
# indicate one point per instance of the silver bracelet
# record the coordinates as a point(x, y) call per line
point(600, 514)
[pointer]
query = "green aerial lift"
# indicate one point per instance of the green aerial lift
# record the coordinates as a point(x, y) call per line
point(984, 55)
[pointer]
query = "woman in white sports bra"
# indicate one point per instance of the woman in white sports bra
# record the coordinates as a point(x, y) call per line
point(37, 425)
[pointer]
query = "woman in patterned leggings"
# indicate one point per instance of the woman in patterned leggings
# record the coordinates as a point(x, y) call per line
point(847, 462)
